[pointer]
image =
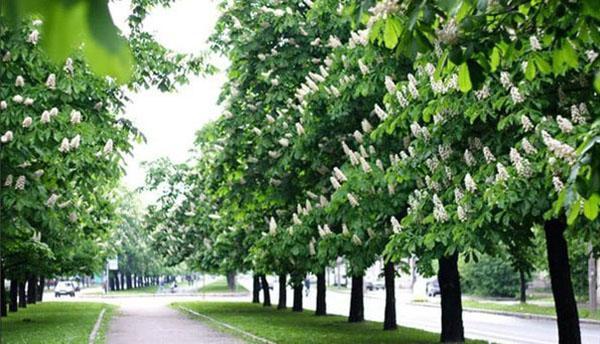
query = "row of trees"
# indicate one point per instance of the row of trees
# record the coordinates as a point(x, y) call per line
point(363, 129)
point(63, 141)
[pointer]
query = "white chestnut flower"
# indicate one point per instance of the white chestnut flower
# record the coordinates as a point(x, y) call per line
point(9, 180)
point(20, 183)
point(356, 240)
point(75, 117)
point(591, 55)
point(108, 147)
point(461, 213)
point(380, 112)
point(396, 227)
point(334, 182)
point(272, 226)
point(528, 147)
point(516, 95)
point(558, 184)
point(3, 105)
point(33, 37)
point(51, 81)
point(358, 136)
point(535, 43)
point(284, 142)
point(299, 128)
point(7, 137)
point(458, 195)
point(274, 154)
point(390, 85)
point(37, 22)
point(45, 117)
point(257, 131)
point(27, 122)
point(353, 201)
point(18, 99)
point(68, 65)
point(487, 154)
point(483, 93)
point(28, 101)
point(364, 165)
point(502, 174)
point(52, 200)
point(505, 80)
point(521, 165)
point(75, 141)
point(72, 217)
point(448, 33)
point(526, 123)
point(564, 124)
point(270, 119)
point(339, 174)
point(19, 81)
point(38, 173)
point(439, 212)
point(363, 68)
point(64, 146)
point(366, 126)
point(311, 248)
point(561, 150)
point(577, 115)
point(296, 220)
point(214, 216)
point(469, 159)
point(334, 42)
point(470, 183)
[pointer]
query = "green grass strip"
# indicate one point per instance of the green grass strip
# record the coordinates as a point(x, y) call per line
point(285, 326)
point(220, 286)
point(56, 322)
point(527, 308)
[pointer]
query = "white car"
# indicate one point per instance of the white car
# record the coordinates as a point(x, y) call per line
point(64, 288)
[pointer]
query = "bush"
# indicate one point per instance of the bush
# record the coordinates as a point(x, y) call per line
point(490, 276)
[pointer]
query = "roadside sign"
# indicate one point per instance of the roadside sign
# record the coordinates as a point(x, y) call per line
point(113, 264)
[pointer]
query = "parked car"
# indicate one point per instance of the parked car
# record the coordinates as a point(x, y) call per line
point(432, 288)
point(64, 288)
point(376, 285)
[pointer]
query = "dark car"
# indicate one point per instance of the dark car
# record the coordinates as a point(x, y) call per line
point(374, 285)
point(433, 288)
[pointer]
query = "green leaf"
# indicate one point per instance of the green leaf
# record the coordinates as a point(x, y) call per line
point(543, 65)
point(495, 59)
point(573, 213)
point(591, 207)
point(391, 33)
point(77, 24)
point(591, 8)
point(597, 81)
point(464, 78)
point(530, 71)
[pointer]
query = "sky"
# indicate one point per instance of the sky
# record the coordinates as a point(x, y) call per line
point(169, 120)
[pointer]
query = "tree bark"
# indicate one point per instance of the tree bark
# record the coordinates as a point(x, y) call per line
point(3, 303)
point(592, 280)
point(255, 289)
point(357, 307)
point(282, 304)
point(40, 293)
point(14, 292)
point(128, 281)
point(231, 281)
point(321, 294)
point(22, 295)
point(265, 287)
point(562, 287)
point(297, 306)
point(389, 319)
point(523, 293)
point(32, 289)
point(449, 280)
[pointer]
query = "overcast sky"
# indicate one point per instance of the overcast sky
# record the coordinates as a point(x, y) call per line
point(170, 120)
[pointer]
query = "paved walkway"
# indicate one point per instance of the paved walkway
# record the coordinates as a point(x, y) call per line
point(153, 321)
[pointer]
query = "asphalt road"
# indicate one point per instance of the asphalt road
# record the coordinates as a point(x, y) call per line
point(490, 327)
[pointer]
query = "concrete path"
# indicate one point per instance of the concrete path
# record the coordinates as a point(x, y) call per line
point(153, 321)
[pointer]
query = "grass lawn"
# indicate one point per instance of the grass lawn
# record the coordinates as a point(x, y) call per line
point(55, 322)
point(220, 286)
point(153, 289)
point(526, 308)
point(285, 326)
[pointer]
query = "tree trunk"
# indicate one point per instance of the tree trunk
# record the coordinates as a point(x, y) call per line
point(592, 280)
point(449, 280)
point(117, 280)
point(22, 295)
point(40, 293)
point(32, 290)
point(297, 306)
point(255, 289)
point(265, 287)
point(231, 281)
point(321, 294)
point(357, 307)
point(3, 303)
point(282, 292)
point(389, 319)
point(14, 292)
point(129, 286)
point(562, 287)
point(523, 293)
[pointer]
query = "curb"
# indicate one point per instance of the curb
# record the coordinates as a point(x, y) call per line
point(257, 338)
point(112, 296)
point(512, 314)
point(94, 333)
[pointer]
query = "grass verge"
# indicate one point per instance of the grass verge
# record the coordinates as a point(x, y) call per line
point(56, 322)
point(526, 308)
point(220, 286)
point(153, 289)
point(287, 327)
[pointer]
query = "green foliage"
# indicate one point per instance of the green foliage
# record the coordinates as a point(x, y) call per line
point(489, 276)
